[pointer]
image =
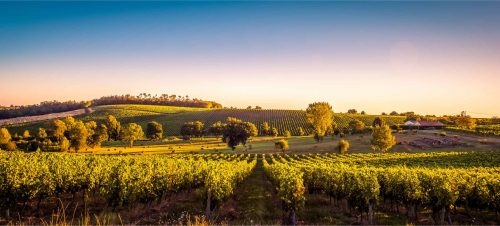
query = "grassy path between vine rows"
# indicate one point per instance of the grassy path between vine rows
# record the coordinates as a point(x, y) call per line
point(254, 201)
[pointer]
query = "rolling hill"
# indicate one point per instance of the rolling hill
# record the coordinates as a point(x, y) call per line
point(172, 118)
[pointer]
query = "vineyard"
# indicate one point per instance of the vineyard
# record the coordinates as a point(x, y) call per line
point(364, 183)
point(438, 185)
point(173, 118)
point(120, 180)
point(482, 130)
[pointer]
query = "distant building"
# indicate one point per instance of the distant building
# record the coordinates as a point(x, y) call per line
point(430, 125)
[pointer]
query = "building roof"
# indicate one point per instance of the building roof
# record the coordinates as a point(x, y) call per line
point(424, 123)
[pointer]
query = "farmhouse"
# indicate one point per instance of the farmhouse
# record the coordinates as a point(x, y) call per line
point(423, 125)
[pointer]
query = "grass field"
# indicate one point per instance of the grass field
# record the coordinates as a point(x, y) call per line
point(306, 144)
point(172, 118)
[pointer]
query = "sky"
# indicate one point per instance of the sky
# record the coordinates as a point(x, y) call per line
point(428, 57)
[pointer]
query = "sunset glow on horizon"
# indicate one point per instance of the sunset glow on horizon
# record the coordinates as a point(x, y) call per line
point(427, 57)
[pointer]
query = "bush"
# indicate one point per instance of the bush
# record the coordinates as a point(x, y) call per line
point(281, 144)
point(11, 146)
point(287, 134)
point(343, 146)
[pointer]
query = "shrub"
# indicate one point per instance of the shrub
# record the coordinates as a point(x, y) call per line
point(287, 134)
point(281, 144)
point(11, 146)
point(343, 146)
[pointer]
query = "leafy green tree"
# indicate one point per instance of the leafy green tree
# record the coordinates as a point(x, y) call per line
point(113, 126)
point(131, 133)
point(301, 132)
point(320, 116)
point(281, 145)
point(237, 132)
point(378, 122)
point(352, 111)
point(192, 129)
point(154, 131)
point(42, 134)
point(287, 134)
point(363, 113)
point(57, 128)
point(265, 129)
point(274, 132)
point(357, 126)
point(343, 146)
point(64, 144)
point(393, 113)
point(99, 136)
point(78, 135)
point(91, 127)
point(5, 136)
point(70, 121)
point(216, 129)
point(382, 138)
point(252, 129)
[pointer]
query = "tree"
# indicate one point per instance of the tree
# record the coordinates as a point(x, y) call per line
point(382, 138)
point(383, 113)
point(320, 116)
point(258, 108)
point(287, 134)
point(64, 144)
point(131, 133)
point(100, 135)
point(357, 126)
point(26, 134)
point(10, 146)
point(57, 128)
point(237, 132)
point(281, 144)
point(113, 126)
point(393, 113)
point(465, 122)
point(216, 128)
point(378, 122)
point(69, 121)
point(301, 132)
point(252, 129)
point(5, 136)
point(343, 146)
point(91, 127)
point(352, 111)
point(265, 130)
point(42, 134)
point(274, 132)
point(249, 107)
point(363, 112)
point(154, 131)
point(78, 135)
point(192, 129)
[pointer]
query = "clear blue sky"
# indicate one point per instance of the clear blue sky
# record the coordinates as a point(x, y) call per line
point(428, 57)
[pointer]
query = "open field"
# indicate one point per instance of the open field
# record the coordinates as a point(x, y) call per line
point(172, 118)
point(359, 143)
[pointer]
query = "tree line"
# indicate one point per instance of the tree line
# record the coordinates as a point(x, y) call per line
point(48, 107)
